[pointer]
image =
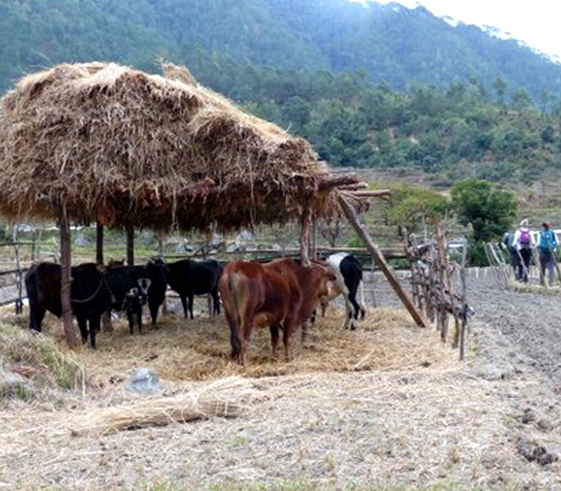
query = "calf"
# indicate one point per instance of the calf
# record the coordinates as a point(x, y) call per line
point(189, 278)
point(348, 273)
point(281, 294)
point(129, 287)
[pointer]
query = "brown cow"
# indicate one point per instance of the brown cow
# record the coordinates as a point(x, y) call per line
point(281, 294)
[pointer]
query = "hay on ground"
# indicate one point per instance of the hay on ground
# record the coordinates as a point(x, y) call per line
point(184, 350)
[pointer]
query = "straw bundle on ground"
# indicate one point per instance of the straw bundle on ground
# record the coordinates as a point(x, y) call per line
point(225, 398)
point(122, 147)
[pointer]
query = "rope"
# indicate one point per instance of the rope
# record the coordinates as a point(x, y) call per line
point(95, 293)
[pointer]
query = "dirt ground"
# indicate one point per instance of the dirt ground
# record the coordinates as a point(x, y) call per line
point(493, 421)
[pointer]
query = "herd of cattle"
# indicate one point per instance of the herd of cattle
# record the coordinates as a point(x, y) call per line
point(282, 294)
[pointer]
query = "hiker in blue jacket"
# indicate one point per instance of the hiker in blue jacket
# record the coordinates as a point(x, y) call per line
point(547, 250)
point(524, 244)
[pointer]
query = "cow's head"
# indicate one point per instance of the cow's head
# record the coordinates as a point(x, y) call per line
point(325, 279)
point(142, 290)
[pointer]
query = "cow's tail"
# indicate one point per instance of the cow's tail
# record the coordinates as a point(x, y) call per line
point(227, 287)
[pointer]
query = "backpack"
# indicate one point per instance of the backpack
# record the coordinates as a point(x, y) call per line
point(525, 238)
point(547, 240)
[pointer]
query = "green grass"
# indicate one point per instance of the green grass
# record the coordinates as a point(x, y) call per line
point(21, 347)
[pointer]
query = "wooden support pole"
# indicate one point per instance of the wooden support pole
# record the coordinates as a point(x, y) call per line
point(99, 243)
point(305, 236)
point(161, 255)
point(106, 324)
point(380, 193)
point(19, 274)
point(66, 279)
point(378, 257)
point(130, 246)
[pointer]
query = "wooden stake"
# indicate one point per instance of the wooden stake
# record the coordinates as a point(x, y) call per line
point(66, 279)
point(378, 257)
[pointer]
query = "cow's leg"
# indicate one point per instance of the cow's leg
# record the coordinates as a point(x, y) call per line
point(36, 316)
point(191, 299)
point(83, 325)
point(354, 311)
point(324, 303)
point(154, 308)
point(362, 308)
point(246, 326)
point(305, 327)
point(130, 317)
point(274, 340)
point(286, 335)
point(215, 302)
point(350, 311)
point(184, 303)
point(95, 322)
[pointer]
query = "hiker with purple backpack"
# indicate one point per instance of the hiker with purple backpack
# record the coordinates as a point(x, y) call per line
point(524, 244)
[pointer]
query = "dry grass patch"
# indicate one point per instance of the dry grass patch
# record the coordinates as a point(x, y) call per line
point(515, 286)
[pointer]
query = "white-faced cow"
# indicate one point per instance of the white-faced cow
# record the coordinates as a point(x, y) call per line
point(348, 273)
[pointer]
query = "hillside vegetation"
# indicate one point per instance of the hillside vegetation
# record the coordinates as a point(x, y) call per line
point(382, 87)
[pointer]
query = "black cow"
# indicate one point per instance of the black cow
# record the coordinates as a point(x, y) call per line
point(190, 278)
point(348, 272)
point(89, 293)
point(157, 272)
point(95, 290)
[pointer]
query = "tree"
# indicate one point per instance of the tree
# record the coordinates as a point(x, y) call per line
point(489, 211)
point(411, 207)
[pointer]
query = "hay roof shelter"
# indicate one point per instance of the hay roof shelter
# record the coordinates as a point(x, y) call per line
point(124, 148)
point(108, 144)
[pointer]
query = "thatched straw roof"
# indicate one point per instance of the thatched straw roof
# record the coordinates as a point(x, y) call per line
point(122, 147)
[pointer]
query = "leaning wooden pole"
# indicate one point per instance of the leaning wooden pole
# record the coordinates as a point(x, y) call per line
point(66, 279)
point(380, 261)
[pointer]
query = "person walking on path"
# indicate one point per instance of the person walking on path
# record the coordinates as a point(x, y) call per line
point(508, 245)
point(524, 243)
point(547, 251)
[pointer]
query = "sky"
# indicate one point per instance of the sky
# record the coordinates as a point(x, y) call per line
point(537, 23)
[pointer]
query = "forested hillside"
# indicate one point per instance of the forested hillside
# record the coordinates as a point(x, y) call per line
point(452, 132)
point(393, 44)
point(380, 87)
